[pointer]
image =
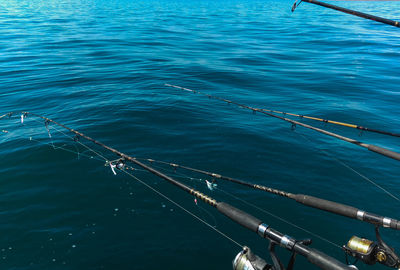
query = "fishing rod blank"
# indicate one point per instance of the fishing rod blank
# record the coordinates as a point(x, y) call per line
point(336, 123)
point(314, 202)
point(248, 221)
point(370, 147)
point(349, 11)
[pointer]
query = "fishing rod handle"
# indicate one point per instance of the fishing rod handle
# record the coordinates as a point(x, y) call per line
point(347, 211)
point(254, 224)
point(244, 219)
point(314, 256)
point(383, 151)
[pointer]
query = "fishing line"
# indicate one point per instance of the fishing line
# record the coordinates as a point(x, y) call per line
point(218, 176)
point(311, 201)
point(126, 167)
point(184, 209)
point(184, 176)
point(281, 219)
point(158, 192)
point(266, 212)
point(361, 128)
point(208, 213)
point(252, 223)
point(275, 216)
point(46, 124)
point(65, 149)
point(77, 141)
point(66, 135)
point(84, 145)
point(256, 207)
point(169, 173)
point(350, 168)
point(263, 210)
point(363, 249)
point(137, 179)
point(87, 149)
point(179, 174)
point(103, 158)
point(370, 147)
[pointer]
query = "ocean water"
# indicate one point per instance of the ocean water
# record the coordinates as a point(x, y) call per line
point(100, 67)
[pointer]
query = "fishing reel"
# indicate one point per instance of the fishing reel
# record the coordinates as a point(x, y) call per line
point(247, 260)
point(370, 252)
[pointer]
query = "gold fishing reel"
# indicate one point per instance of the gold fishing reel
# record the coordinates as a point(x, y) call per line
point(371, 252)
point(362, 249)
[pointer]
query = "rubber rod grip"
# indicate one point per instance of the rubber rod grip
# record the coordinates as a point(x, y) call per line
point(333, 207)
point(239, 216)
point(384, 151)
point(326, 262)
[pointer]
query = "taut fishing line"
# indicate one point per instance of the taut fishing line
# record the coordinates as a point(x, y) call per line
point(176, 172)
point(281, 219)
point(183, 209)
point(180, 174)
point(373, 148)
point(325, 152)
point(370, 253)
point(186, 177)
point(269, 112)
point(250, 222)
point(101, 157)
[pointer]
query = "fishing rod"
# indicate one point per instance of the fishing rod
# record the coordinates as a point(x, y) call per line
point(245, 259)
point(336, 123)
point(6, 114)
point(370, 147)
point(379, 251)
point(356, 246)
point(349, 11)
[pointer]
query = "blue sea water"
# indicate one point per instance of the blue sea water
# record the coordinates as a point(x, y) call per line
point(100, 68)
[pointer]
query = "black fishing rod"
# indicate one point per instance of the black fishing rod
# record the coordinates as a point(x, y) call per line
point(371, 147)
point(379, 251)
point(349, 11)
point(314, 202)
point(248, 221)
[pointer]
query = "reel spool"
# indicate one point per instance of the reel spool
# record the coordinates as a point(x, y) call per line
point(371, 252)
point(362, 249)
